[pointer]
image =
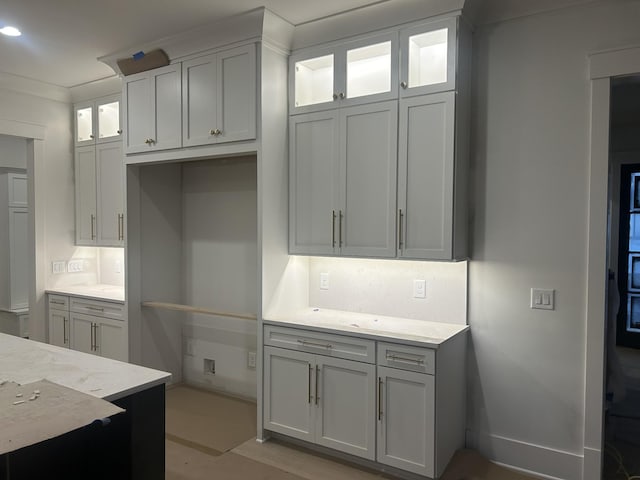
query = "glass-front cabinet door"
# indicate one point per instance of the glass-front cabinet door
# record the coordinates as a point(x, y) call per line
point(108, 113)
point(362, 71)
point(97, 121)
point(84, 123)
point(428, 58)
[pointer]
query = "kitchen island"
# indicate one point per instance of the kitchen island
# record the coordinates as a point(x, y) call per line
point(129, 445)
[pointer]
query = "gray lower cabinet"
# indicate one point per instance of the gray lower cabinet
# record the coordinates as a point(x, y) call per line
point(90, 326)
point(324, 400)
point(406, 410)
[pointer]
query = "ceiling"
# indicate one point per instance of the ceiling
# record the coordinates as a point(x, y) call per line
point(62, 39)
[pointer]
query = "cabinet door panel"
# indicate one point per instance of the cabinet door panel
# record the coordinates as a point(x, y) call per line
point(425, 181)
point(167, 107)
point(199, 101)
point(345, 419)
point(85, 185)
point(19, 257)
point(407, 420)
point(287, 392)
point(313, 181)
point(237, 94)
point(111, 341)
point(368, 155)
point(139, 115)
point(82, 333)
point(59, 328)
point(110, 193)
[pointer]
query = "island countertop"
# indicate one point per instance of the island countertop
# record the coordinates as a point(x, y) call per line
point(365, 325)
point(25, 361)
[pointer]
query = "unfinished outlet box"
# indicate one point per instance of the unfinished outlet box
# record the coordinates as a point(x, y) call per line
point(209, 366)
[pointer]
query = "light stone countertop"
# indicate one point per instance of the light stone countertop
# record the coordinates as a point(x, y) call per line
point(110, 293)
point(365, 325)
point(25, 361)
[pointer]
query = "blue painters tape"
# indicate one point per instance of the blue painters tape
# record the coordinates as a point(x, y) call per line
point(138, 55)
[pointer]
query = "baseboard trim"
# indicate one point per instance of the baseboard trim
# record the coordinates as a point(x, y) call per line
point(531, 459)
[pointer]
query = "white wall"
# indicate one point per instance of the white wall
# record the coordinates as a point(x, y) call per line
point(530, 161)
point(55, 116)
point(13, 152)
point(220, 271)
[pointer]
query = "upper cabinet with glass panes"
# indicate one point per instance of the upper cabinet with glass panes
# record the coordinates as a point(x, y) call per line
point(351, 73)
point(97, 121)
point(428, 58)
point(416, 60)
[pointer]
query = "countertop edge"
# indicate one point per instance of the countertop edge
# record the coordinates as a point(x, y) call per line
point(379, 336)
point(70, 293)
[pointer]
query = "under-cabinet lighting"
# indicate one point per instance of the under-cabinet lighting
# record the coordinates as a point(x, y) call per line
point(10, 31)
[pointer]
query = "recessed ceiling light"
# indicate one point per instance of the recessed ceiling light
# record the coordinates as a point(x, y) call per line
point(10, 31)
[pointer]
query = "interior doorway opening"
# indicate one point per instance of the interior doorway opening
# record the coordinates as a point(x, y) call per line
point(622, 385)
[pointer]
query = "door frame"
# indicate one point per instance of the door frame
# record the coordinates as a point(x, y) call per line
point(34, 135)
point(602, 67)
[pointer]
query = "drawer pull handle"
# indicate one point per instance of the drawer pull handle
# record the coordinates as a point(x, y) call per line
point(56, 302)
point(97, 309)
point(307, 343)
point(396, 358)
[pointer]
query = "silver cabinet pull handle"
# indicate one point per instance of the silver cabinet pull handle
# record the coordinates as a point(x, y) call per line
point(400, 222)
point(404, 85)
point(340, 229)
point(333, 228)
point(397, 358)
point(93, 227)
point(309, 384)
point(317, 375)
point(64, 331)
point(306, 343)
point(335, 96)
point(379, 398)
point(97, 309)
point(56, 302)
point(121, 226)
point(341, 95)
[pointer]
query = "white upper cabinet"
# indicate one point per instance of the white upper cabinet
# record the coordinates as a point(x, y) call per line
point(428, 58)
point(343, 181)
point(426, 177)
point(219, 97)
point(97, 121)
point(153, 110)
point(353, 73)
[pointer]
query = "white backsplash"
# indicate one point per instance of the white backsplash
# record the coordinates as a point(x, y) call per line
point(385, 287)
point(99, 266)
point(382, 287)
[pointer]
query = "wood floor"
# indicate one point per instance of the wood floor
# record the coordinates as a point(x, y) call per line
point(210, 436)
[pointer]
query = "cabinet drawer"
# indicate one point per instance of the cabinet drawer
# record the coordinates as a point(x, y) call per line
point(328, 344)
point(58, 302)
point(97, 308)
point(404, 357)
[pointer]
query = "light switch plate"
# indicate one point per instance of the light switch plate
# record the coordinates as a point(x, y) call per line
point(59, 267)
point(543, 299)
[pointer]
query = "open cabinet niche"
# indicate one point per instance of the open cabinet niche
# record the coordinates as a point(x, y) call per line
point(193, 243)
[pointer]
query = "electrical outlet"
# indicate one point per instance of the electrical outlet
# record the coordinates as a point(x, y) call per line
point(324, 281)
point(74, 266)
point(251, 360)
point(419, 289)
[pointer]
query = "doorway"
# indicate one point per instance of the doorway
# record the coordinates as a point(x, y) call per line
point(622, 381)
